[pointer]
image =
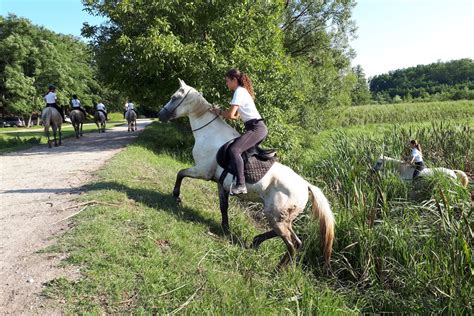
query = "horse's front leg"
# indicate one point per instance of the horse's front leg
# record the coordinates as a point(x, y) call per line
point(196, 172)
point(81, 129)
point(60, 136)
point(224, 206)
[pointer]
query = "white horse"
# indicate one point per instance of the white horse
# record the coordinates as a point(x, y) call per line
point(406, 170)
point(51, 117)
point(131, 117)
point(283, 192)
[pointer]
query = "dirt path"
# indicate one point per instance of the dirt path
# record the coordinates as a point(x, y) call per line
point(36, 185)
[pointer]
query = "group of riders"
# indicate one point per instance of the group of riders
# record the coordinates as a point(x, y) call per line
point(242, 106)
point(51, 101)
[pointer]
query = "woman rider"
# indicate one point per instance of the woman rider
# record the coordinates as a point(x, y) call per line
point(242, 105)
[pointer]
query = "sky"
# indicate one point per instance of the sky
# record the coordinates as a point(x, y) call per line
point(392, 34)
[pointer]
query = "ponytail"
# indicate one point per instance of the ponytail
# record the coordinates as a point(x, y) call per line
point(243, 79)
point(416, 143)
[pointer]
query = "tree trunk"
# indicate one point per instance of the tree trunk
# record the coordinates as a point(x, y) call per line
point(29, 120)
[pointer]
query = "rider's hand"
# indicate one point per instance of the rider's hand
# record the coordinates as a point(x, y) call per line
point(216, 111)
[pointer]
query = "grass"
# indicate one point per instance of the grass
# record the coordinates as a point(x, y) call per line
point(148, 255)
point(395, 251)
point(401, 113)
point(13, 139)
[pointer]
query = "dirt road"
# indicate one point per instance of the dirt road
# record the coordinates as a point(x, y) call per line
point(36, 185)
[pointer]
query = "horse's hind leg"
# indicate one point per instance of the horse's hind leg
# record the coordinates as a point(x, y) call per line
point(257, 240)
point(296, 241)
point(49, 139)
point(224, 206)
point(81, 129)
point(60, 136)
point(55, 140)
point(283, 230)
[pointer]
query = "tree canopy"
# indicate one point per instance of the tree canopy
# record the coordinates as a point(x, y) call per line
point(33, 57)
point(451, 80)
point(296, 52)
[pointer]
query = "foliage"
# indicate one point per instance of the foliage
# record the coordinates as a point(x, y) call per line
point(453, 80)
point(147, 45)
point(33, 57)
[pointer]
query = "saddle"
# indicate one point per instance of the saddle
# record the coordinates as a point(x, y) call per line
point(257, 162)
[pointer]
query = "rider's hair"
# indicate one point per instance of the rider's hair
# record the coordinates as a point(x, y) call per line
point(416, 143)
point(243, 79)
point(74, 96)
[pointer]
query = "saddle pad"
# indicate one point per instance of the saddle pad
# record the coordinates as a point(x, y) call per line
point(255, 169)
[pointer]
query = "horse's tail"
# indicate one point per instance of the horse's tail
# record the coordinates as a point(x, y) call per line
point(462, 176)
point(46, 118)
point(322, 210)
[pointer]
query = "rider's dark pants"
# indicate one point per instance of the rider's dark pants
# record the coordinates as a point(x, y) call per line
point(55, 105)
point(419, 166)
point(256, 131)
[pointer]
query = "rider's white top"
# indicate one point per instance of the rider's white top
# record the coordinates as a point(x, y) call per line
point(75, 103)
point(417, 154)
point(100, 106)
point(247, 109)
point(50, 97)
point(129, 106)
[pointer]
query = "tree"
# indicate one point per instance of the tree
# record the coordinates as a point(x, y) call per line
point(147, 45)
point(32, 57)
point(360, 91)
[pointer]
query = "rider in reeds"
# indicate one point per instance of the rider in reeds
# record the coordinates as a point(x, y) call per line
point(416, 157)
point(242, 106)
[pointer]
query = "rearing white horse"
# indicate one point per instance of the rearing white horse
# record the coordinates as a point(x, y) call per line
point(283, 192)
point(406, 170)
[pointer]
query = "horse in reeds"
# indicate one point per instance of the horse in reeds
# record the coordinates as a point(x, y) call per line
point(77, 120)
point(283, 192)
point(406, 170)
point(99, 118)
point(131, 117)
point(52, 118)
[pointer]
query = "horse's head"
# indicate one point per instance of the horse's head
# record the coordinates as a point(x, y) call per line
point(182, 103)
point(379, 163)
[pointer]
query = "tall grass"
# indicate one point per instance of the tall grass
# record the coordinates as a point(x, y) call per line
point(397, 113)
point(399, 254)
point(394, 252)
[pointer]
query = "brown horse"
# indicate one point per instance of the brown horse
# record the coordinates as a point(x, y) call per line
point(77, 120)
point(51, 117)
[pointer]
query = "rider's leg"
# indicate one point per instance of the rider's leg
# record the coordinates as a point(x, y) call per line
point(254, 135)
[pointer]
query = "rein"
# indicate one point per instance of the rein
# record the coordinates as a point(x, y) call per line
point(197, 129)
point(180, 102)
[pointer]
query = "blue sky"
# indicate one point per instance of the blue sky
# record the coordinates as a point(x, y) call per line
point(392, 34)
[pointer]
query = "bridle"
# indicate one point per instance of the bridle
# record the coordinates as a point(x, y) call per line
point(180, 102)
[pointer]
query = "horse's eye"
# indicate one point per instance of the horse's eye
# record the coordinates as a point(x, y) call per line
point(173, 98)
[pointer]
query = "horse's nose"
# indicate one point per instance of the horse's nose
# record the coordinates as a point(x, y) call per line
point(163, 115)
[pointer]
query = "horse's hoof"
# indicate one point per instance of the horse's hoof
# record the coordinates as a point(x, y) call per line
point(177, 199)
point(225, 229)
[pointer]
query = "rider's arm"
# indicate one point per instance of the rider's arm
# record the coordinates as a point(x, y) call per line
point(231, 114)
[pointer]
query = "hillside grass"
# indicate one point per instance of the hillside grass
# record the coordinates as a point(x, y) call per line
point(145, 254)
point(400, 247)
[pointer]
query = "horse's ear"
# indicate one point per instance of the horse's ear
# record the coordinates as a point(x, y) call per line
point(181, 82)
